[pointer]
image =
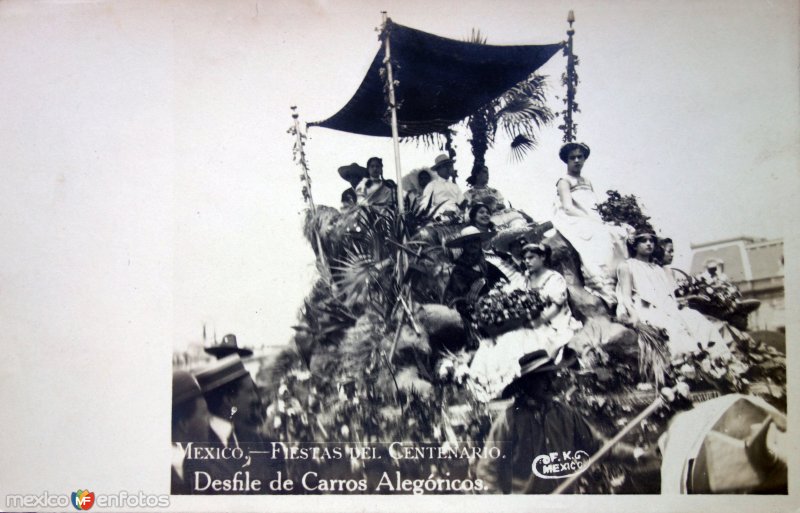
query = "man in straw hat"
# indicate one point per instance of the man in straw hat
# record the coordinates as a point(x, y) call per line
point(441, 192)
point(236, 417)
point(189, 425)
point(540, 441)
point(472, 275)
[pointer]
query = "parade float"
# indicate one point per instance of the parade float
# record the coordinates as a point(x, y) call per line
point(378, 355)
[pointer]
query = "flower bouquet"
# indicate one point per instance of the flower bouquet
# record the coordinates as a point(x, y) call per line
point(714, 297)
point(501, 310)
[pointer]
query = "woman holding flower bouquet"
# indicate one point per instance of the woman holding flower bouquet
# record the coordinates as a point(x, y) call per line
point(536, 318)
point(646, 294)
point(555, 326)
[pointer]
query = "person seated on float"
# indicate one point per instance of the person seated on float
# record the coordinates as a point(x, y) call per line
point(495, 363)
point(374, 190)
point(555, 326)
point(472, 276)
point(480, 192)
point(537, 427)
point(663, 255)
point(443, 195)
point(352, 174)
point(415, 194)
point(645, 293)
point(600, 246)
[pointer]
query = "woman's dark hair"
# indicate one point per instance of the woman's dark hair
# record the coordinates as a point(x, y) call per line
point(635, 242)
point(540, 249)
point(658, 252)
point(374, 158)
point(475, 170)
point(473, 212)
point(349, 195)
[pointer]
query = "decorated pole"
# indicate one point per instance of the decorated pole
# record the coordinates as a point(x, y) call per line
point(570, 79)
point(300, 157)
point(655, 405)
point(387, 62)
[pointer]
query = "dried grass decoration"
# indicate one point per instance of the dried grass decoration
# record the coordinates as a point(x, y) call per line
point(654, 357)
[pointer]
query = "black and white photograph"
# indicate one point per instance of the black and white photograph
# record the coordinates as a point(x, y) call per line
point(314, 255)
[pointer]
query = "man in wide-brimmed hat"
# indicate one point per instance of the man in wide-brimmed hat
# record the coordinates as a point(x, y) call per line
point(352, 174)
point(472, 275)
point(538, 435)
point(227, 347)
point(441, 192)
point(236, 420)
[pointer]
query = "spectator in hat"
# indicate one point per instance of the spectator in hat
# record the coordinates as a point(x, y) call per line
point(714, 271)
point(535, 427)
point(189, 425)
point(352, 174)
point(472, 276)
point(441, 194)
point(375, 190)
point(236, 418)
point(233, 400)
point(228, 346)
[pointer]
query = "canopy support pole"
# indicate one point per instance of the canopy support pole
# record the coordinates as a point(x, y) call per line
point(387, 62)
point(571, 79)
point(300, 155)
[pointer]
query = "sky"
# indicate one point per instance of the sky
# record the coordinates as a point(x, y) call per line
point(149, 187)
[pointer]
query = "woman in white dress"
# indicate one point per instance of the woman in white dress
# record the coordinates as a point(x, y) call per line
point(601, 246)
point(554, 328)
point(496, 363)
point(645, 293)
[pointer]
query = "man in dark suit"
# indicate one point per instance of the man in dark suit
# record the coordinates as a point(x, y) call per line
point(236, 414)
point(189, 425)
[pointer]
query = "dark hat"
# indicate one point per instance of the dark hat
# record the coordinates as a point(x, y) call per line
point(537, 362)
point(184, 387)
point(568, 147)
point(352, 171)
point(469, 233)
point(441, 160)
point(518, 237)
point(223, 371)
point(228, 346)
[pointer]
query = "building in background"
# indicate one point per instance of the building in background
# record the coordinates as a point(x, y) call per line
point(756, 267)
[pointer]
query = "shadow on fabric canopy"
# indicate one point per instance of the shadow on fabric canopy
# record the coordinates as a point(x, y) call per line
point(439, 82)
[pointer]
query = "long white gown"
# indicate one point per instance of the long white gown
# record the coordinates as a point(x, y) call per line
point(646, 292)
point(601, 246)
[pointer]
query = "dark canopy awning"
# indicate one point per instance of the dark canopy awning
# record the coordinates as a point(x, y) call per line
point(441, 81)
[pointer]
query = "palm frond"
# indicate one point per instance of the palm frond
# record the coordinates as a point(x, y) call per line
point(520, 146)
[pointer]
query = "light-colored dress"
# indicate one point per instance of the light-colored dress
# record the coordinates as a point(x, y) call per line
point(553, 334)
point(601, 246)
point(645, 292)
point(496, 363)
